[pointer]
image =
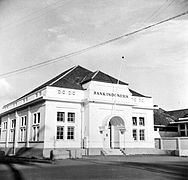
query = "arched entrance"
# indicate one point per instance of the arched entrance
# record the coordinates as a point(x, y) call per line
point(115, 127)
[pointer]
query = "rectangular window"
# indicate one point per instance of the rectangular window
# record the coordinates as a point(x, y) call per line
point(36, 129)
point(12, 129)
point(35, 133)
point(71, 117)
point(134, 119)
point(61, 116)
point(141, 121)
point(60, 132)
point(11, 138)
point(182, 133)
point(35, 119)
point(38, 117)
point(134, 134)
point(13, 123)
point(142, 135)
point(182, 126)
point(23, 121)
point(22, 134)
point(5, 125)
point(70, 132)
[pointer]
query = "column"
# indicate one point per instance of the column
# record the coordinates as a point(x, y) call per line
point(185, 129)
point(16, 132)
point(179, 145)
point(8, 131)
point(179, 130)
point(28, 128)
point(161, 143)
point(82, 125)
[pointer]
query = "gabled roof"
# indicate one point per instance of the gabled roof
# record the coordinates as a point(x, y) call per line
point(76, 76)
point(70, 78)
point(161, 117)
point(47, 83)
point(134, 93)
point(181, 113)
point(101, 77)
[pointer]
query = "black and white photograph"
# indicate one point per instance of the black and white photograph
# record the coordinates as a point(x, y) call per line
point(94, 89)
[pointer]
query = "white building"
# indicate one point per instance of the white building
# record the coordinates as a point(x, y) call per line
point(78, 109)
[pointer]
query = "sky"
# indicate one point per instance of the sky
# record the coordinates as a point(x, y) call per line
point(156, 60)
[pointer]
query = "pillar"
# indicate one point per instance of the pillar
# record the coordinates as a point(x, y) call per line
point(185, 129)
point(82, 125)
point(28, 127)
point(8, 132)
point(161, 143)
point(179, 130)
point(16, 133)
point(179, 145)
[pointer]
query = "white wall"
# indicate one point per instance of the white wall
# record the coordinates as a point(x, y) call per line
point(149, 129)
point(98, 114)
point(51, 109)
point(24, 112)
point(100, 105)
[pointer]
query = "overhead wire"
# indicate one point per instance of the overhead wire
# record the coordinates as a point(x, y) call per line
point(60, 58)
point(156, 11)
point(159, 10)
point(163, 9)
point(40, 12)
point(154, 15)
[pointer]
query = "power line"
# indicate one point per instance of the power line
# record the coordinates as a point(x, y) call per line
point(163, 7)
point(157, 11)
point(50, 61)
point(40, 12)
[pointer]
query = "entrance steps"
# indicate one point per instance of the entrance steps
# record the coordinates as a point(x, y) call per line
point(149, 151)
point(112, 152)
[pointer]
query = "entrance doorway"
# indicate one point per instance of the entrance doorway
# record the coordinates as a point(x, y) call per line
point(112, 134)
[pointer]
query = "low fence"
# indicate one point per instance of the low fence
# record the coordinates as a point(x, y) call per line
point(178, 145)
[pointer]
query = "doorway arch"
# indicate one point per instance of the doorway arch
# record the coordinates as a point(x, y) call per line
point(115, 127)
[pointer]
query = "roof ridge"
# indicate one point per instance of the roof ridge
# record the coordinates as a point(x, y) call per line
point(109, 76)
point(85, 77)
point(96, 72)
point(74, 67)
point(177, 110)
point(39, 87)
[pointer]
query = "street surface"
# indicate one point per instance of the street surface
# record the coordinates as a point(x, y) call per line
point(99, 167)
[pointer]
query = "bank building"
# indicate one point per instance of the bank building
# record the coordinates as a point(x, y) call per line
point(79, 111)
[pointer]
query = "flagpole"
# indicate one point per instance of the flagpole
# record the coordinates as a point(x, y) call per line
point(118, 82)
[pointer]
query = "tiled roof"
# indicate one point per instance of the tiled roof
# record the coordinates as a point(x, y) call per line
point(47, 83)
point(178, 113)
point(161, 117)
point(134, 93)
point(75, 77)
point(101, 77)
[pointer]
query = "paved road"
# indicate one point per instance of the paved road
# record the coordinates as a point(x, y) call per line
point(121, 167)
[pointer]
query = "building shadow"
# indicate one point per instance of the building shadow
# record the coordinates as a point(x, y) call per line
point(19, 159)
